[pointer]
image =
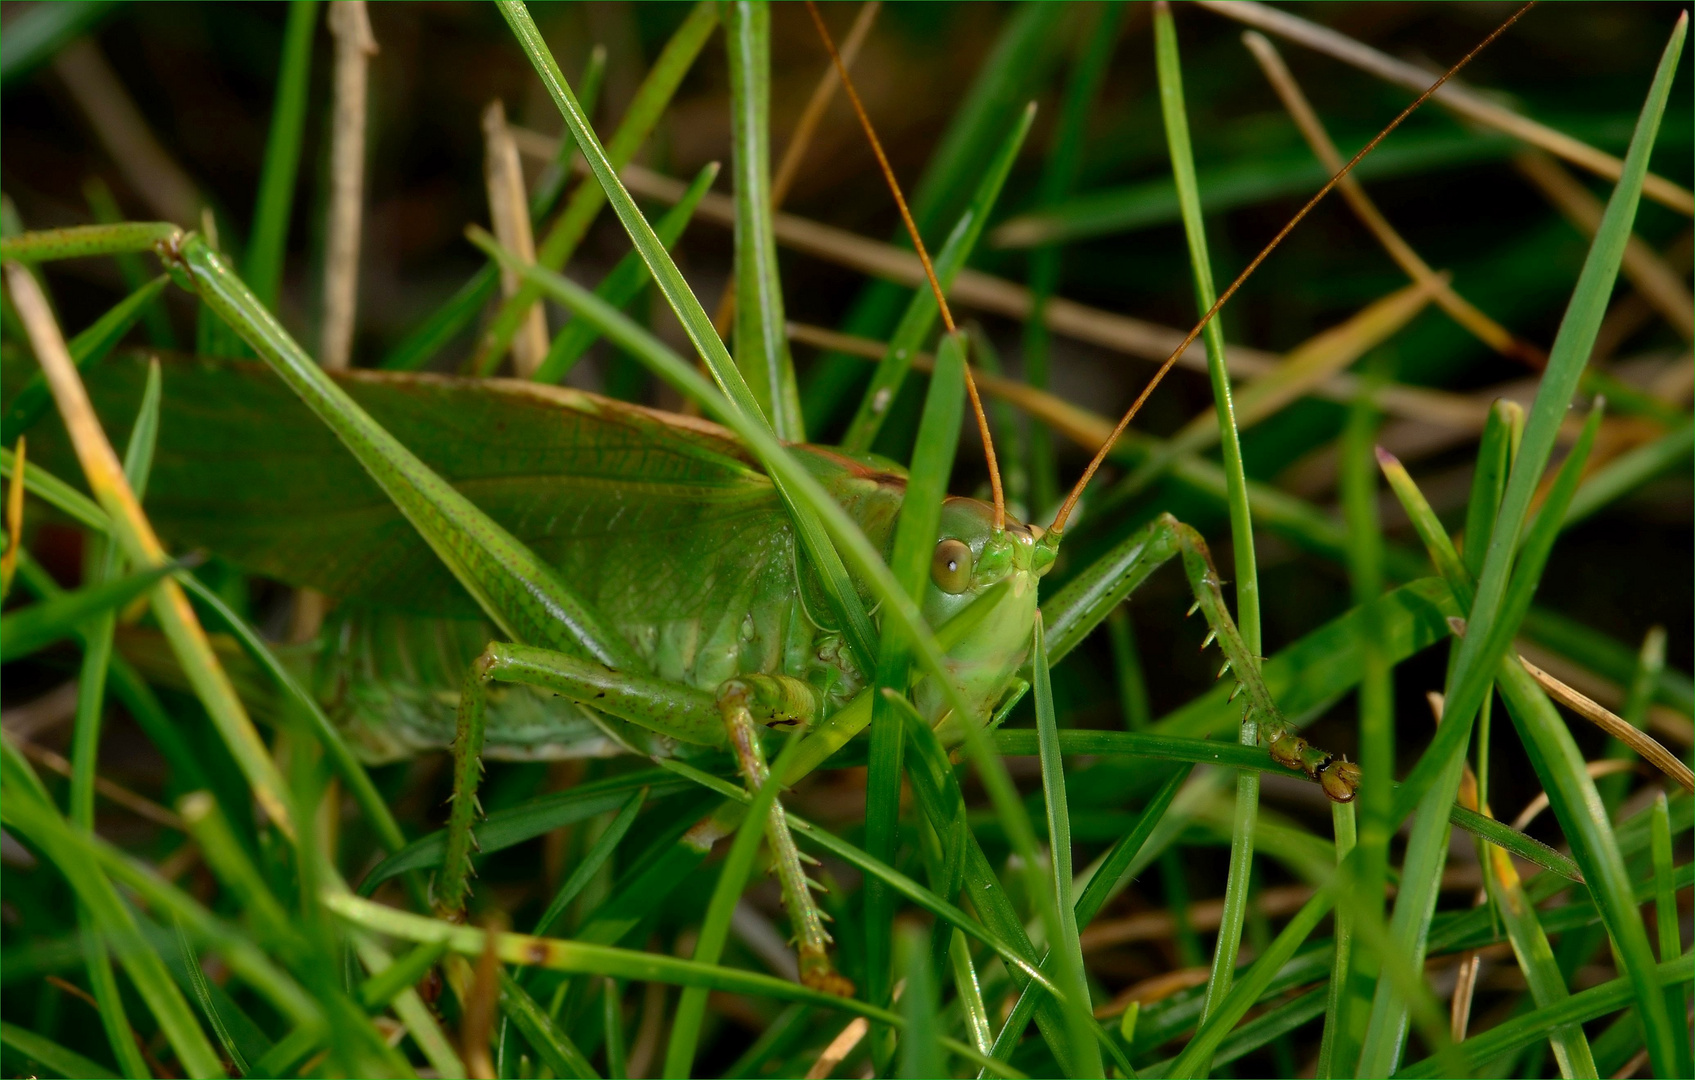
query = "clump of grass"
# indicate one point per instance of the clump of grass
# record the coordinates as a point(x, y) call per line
point(205, 874)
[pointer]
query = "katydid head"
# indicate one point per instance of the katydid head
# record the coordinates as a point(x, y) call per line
point(982, 597)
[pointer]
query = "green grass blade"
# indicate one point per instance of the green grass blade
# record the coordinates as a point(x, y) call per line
point(1474, 667)
point(44, 1051)
point(42, 824)
point(383, 987)
point(1577, 806)
point(623, 284)
point(909, 562)
point(1629, 471)
point(715, 927)
point(1536, 960)
point(551, 1044)
point(85, 744)
point(635, 965)
point(445, 323)
point(42, 624)
point(1241, 523)
point(1521, 1031)
point(1488, 482)
point(502, 829)
point(920, 1045)
point(1352, 976)
point(970, 991)
point(1665, 912)
point(1066, 950)
point(921, 311)
point(341, 756)
point(761, 343)
point(591, 862)
point(87, 348)
point(1333, 1044)
point(521, 593)
point(651, 100)
point(410, 1008)
point(279, 173)
point(553, 179)
point(208, 1007)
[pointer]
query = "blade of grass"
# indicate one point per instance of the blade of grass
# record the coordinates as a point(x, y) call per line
point(909, 562)
point(91, 684)
point(116, 923)
point(551, 1044)
point(410, 1008)
point(36, 34)
point(1065, 948)
point(921, 311)
point(592, 862)
point(623, 283)
point(761, 346)
point(278, 175)
point(1353, 975)
point(142, 547)
point(1436, 777)
point(40, 625)
point(1172, 109)
point(634, 965)
point(920, 1046)
point(1581, 1007)
point(1665, 912)
point(87, 348)
point(715, 927)
point(644, 111)
point(44, 1051)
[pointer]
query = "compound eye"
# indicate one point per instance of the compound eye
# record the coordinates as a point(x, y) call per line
point(950, 567)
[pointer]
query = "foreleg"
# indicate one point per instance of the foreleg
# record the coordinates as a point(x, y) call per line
point(1339, 777)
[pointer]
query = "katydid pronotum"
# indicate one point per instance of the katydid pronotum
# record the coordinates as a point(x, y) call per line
point(678, 583)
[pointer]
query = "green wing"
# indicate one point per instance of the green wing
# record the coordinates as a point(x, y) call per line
point(657, 517)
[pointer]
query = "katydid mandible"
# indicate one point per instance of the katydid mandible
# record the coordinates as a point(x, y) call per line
point(647, 568)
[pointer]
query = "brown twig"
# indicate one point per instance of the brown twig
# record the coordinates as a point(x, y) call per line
point(509, 212)
point(14, 518)
point(1638, 740)
point(1485, 329)
point(354, 46)
point(1467, 102)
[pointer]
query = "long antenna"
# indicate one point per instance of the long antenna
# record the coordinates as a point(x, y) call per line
point(923, 257)
point(1170, 361)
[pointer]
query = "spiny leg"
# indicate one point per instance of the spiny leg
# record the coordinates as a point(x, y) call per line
point(670, 709)
point(1340, 778)
point(779, 701)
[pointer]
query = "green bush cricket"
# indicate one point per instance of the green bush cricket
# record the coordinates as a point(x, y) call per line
point(588, 595)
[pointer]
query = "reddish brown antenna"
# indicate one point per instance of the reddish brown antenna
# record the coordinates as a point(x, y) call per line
point(923, 257)
point(1189, 339)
